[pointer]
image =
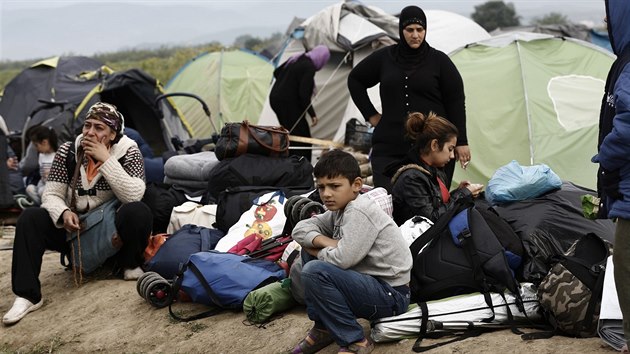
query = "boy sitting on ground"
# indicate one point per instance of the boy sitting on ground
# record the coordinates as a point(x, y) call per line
point(356, 262)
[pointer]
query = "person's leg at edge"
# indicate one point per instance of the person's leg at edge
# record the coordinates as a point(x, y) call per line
point(134, 222)
point(621, 260)
point(335, 298)
point(379, 163)
point(34, 234)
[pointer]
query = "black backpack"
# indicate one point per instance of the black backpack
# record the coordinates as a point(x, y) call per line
point(292, 172)
point(469, 249)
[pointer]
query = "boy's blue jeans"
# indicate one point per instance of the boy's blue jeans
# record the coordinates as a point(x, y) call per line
point(336, 297)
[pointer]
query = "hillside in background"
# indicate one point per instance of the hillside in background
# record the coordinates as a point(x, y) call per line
point(162, 63)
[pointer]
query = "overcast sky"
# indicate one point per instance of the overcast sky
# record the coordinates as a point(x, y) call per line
point(32, 29)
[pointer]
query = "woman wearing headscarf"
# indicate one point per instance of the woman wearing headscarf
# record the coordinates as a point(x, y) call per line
point(110, 166)
point(290, 96)
point(413, 77)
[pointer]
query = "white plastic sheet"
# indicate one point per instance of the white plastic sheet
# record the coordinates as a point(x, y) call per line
point(458, 312)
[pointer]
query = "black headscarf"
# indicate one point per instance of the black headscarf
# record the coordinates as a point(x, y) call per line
point(405, 56)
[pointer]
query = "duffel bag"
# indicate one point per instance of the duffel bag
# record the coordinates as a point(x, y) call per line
point(240, 138)
point(222, 280)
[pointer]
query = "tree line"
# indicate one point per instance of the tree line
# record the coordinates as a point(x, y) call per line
point(162, 63)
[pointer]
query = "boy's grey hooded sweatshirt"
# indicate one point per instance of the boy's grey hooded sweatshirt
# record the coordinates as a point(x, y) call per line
point(370, 242)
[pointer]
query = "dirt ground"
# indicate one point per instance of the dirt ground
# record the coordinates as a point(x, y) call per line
point(107, 315)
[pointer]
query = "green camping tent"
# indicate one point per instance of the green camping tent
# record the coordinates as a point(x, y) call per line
point(532, 98)
point(234, 84)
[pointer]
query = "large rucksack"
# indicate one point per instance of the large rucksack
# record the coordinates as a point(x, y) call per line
point(571, 293)
point(468, 249)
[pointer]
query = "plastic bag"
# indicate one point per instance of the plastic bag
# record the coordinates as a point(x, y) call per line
point(513, 182)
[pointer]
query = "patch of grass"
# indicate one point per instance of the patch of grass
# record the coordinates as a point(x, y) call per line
point(196, 327)
point(52, 347)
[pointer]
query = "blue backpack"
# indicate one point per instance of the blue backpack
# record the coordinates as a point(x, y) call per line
point(223, 280)
point(179, 246)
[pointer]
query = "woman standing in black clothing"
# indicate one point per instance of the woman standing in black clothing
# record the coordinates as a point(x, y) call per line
point(413, 77)
point(290, 96)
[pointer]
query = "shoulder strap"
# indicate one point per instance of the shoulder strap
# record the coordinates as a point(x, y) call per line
point(177, 285)
point(472, 331)
point(441, 223)
point(434, 231)
point(75, 176)
point(596, 296)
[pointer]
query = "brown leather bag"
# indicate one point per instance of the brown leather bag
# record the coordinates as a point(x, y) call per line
point(243, 138)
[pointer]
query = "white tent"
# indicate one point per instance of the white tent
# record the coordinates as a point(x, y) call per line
point(352, 31)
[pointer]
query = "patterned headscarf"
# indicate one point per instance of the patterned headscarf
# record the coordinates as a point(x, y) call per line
point(108, 114)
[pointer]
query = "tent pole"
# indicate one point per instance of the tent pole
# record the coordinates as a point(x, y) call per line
point(530, 133)
point(219, 86)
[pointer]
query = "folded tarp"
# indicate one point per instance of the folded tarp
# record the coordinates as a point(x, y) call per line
point(549, 225)
point(460, 312)
point(610, 326)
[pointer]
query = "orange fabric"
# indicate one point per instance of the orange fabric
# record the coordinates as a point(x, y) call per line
point(92, 169)
point(154, 244)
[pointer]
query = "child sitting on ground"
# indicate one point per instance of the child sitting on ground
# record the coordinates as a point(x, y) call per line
point(45, 141)
point(356, 262)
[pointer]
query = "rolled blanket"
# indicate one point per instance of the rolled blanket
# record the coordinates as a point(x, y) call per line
point(194, 167)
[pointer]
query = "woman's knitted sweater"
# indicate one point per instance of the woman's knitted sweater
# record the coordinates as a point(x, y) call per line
point(121, 176)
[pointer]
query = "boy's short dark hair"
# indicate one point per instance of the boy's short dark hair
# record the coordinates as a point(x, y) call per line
point(337, 163)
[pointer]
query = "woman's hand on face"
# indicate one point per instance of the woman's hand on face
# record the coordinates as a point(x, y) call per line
point(70, 221)
point(373, 120)
point(95, 149)
point(462, 153)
